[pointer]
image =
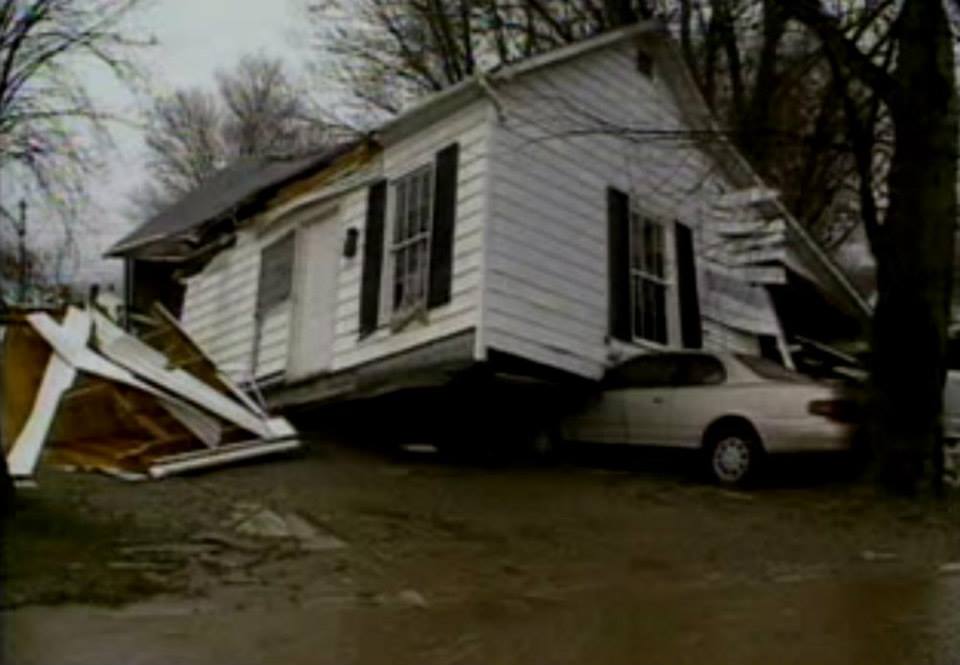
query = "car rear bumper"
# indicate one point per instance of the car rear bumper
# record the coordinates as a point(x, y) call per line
point(806, 435)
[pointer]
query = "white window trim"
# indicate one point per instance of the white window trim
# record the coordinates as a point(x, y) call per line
point(399, 318)
point(668, 281)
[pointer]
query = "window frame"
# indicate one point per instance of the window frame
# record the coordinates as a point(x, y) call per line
point(397, 311)
point(639, 221)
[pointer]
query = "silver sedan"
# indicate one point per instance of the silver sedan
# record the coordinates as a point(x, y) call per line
point(735, 408)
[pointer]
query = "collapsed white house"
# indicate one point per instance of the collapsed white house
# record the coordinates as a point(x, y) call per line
point(552, 217)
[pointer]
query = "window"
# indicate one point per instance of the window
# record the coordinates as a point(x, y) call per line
point(700, 371)
point(767, 369)
point(276, 274)
point(659, 370)
point(645, 372)
point(648, 280)
point(410, 249)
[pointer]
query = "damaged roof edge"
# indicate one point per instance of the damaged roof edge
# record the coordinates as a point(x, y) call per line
point(736, 166)
point(456, 96)
point(249, 179)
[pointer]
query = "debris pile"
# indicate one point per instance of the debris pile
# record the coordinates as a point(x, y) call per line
point(104, 400)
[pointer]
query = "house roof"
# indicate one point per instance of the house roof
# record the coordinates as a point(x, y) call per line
point(229, 188)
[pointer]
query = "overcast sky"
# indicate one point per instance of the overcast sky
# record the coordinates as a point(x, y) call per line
point(195, 39)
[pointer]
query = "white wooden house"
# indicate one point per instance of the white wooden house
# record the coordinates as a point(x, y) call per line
point(559, 214)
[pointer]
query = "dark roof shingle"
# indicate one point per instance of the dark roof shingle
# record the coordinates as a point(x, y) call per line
point(229, 187)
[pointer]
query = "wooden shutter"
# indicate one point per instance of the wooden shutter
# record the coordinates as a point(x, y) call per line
point(372, 258)
point(276, 273)
point(618, 264)
point(691, 326)
point(444, 221)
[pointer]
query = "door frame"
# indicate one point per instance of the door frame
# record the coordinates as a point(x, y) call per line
point(325, 215)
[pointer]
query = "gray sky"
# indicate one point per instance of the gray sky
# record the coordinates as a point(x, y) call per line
point(195, 39)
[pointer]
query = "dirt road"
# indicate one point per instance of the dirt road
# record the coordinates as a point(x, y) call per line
point(347, 556)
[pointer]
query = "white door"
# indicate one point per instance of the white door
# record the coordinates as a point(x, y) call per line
point(314, 298)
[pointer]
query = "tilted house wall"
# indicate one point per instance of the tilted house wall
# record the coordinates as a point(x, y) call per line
point(560, 175)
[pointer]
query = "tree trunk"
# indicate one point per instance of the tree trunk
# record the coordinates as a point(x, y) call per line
point(915, 262)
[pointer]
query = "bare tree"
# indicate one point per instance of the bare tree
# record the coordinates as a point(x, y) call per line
point(913, 242)
point(387, 52)
point(184, 141)
point(771, 88)
point(265, 111)
point(256, 109)
point(44, 105)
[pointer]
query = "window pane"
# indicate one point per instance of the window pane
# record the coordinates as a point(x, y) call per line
point(660, 308)
point(637, 306)
point(647, 372)
point(412, 203)
point(636, 242)
point(649, 247)
point(401, 211)
point(425, 203)
point(701, 371)
point(411, 240)
point(768, 369)
point(649, 310)
point(397, 291)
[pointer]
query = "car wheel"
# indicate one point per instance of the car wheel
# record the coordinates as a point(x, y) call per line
point(734, 455)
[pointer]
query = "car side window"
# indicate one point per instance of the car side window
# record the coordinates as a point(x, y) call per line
point(644, 372)
point(657, 371)
point(700, 371)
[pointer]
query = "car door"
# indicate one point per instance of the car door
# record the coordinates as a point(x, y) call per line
point(649, 394)
point(602, 419)
point(693, 400)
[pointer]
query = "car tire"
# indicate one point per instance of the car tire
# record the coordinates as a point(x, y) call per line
point(733, 455)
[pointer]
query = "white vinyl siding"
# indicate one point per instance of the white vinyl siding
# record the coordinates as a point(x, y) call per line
point(469, 127)
point(547, 284)
point(220, 308)
point(551, 172)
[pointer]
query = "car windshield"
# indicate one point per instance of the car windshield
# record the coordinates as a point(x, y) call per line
point(767, 369)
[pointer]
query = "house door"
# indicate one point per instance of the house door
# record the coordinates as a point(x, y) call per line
point(315, 298)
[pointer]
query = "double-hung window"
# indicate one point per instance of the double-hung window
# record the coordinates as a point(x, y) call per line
point(648, 278)
point(410, 248)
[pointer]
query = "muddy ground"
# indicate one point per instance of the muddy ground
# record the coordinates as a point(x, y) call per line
point(346, 555)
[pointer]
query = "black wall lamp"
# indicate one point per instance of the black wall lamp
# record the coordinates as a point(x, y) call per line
point(350, 243)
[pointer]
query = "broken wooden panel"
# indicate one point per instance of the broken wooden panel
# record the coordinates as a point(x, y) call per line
point(172, 340)
point(104, 400)
point(25, 358)
point(58, 376)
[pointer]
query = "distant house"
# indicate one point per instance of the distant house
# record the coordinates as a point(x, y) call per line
point(551, 217)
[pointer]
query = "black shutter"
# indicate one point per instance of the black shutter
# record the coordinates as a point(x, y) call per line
point(372, 258)
point(444, 220)
point(618, 264)
point(691, 326)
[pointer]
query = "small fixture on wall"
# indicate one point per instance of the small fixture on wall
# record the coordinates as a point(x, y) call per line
point(645, 63)
point(350, 243)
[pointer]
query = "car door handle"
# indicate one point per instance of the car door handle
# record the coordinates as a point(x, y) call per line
point(658, 400)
